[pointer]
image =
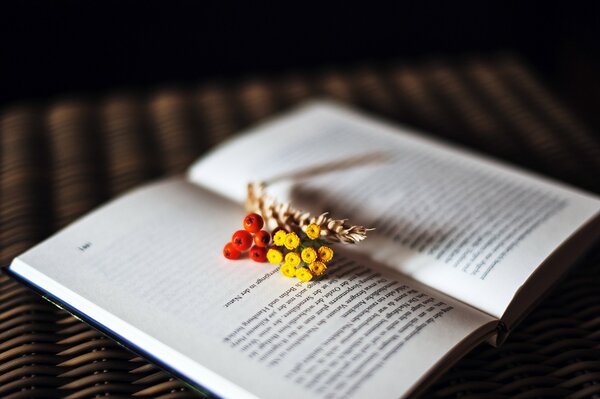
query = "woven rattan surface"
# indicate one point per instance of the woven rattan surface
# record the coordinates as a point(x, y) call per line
point(61, 159)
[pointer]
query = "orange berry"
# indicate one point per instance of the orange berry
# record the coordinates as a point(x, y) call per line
point(258, 254)
point(241, 240)
point(262, 238)
point(230, 252)
point(253, 222)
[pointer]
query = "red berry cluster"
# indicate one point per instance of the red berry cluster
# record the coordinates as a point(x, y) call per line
point(242, 240)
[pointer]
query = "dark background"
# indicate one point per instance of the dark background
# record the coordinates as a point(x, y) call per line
point(51, 49)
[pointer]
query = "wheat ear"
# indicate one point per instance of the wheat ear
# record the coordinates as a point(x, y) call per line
point(290, 218)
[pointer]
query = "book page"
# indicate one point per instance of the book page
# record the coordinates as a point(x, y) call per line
point(149, 268)
point(466, 225)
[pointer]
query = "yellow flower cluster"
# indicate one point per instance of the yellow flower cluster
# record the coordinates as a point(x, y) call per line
point(279, 238)
point(274, 256)
point(325, 254)
point(291, 241)
point(313, 231)
point(302, 260)
point(309, 255)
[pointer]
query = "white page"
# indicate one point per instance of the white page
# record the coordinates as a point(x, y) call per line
point(149, 267)
point(468, 226)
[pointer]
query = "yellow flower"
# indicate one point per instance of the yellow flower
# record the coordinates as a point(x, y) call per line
point(274, 256)
point(291, 241)
point(287, 270)
point(325, 254)
point(303, 274)
point(313, 231)
point(279, 238)
point(309, 255)
point(292, 258)
point(317, 268)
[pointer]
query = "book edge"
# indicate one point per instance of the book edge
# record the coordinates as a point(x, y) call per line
point(189, 371)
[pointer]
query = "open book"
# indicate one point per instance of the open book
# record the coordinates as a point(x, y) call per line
point(464, 246)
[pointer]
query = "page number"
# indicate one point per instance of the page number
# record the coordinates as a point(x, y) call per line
point(85, 246)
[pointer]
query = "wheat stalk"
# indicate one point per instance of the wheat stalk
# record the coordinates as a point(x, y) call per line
point(290, 218)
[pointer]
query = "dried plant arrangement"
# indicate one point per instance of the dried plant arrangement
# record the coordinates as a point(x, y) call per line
point(279, 233)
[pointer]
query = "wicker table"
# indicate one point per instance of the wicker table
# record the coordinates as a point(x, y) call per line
point(61, 159)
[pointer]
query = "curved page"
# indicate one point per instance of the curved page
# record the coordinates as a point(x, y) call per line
point(468, 226)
